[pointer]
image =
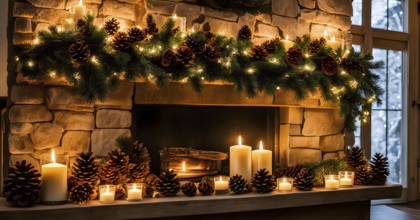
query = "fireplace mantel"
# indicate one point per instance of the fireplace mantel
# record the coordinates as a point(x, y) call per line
point(312, 205)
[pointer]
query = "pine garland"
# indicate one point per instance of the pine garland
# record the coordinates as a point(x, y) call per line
point(348, 78)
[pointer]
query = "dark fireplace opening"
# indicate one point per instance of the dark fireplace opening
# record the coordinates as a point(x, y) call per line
point(212, 128)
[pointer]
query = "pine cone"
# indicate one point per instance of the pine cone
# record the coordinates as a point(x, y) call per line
point(81, 193)
point(263, 182)
point(168, 184)
point(329, 66)
point(120, 192)
point(244, 33)
point(205, 189)
point(294, 56)
point(22, 185)
point(380, 169)
point(195, 44)
point(148, 191)
point(139, 171)
point(355, 157)
point(189, 189)
point(136, 35)
point(237, 184)
point(258, 52)
point(151, 25)
point(185, 56)
point(362, 175)
point(112, 26)
point(316, 45)
point(290, 172)
point(168, 58)
point(79, 52)
point(249, 188)
point(109, 175)
point(150, 181)
point(349, 64)
point(121, 41)
point(304, 180)
point(270, 45)
point(207, 30)
point(85, 168)
point(119, 160)
point(84, 33)
point(211, 53)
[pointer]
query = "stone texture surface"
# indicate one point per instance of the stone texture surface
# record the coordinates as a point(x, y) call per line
point(302, 156)
point(191, 12)
point(121, 98)
point(220, 14)
point(51, 16)
point(308, 3)
point(46, 135)
point(264, 18)
point(223, 27)
point(41, 27)
point(303, 142)
point(321, 122)
point(23, 25)
point(21, 128)
point(332, 143)
point(119, 9)
point(289, 8)
point(74, 120)
point(75, 142)
point(103, 140)
point(23, 10)
point(22, 38)
point(248, 19)
point(38, 153)
point(291, 115)
point(113, 119)
point(265, 30)
point(343, 7)
point(29, 113)
point(288, 26)
point(161, 7)
point(27, 95)
point(29, 159)
point(295, 130)
point(320, 17)
point(58, 4)
point(329, 156)
point(67, 98)
point(20, 144)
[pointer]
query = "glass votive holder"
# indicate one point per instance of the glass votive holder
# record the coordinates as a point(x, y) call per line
point(134, 192)
point(331, 182)
point(346, 178)
point(106, 193)
point(221, 185)
point(284, 184)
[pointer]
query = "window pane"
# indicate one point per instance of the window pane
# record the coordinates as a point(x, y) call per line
point(394, 146)
point(356, 19)
point(394, 79)
point(378, 122)
point(388, 14)
point(381, 55)
point(357, 47)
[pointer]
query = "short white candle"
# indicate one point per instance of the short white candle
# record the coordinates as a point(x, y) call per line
point(346, 180)
point(220, 184)
point(67, 24)
point(333, 43)
point(79, 11)
point(331, 183)
point(240, 160)
point(262, 159)
point(107, 196)
point(284, 185)
point(53, 181)
point(135, 193)
point(287, 43)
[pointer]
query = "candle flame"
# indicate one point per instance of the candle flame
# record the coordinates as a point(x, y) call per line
point(261, 145)
point(183, 166)
point(333, 39)
point(174, 17)
point(239, 140)
point(325, 33)
point(331, 177)
point(80, 2)
point(345, 175)
point(134, 186)
point(287, 37)
point(284, 180)
point(107, 189)
point(52, 156)
point(220, 178)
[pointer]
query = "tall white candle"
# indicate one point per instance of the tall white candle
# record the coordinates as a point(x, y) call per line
point(79, 11)
point(240, 160)
point(53, 181)
point(180, 22)
point(262, 159)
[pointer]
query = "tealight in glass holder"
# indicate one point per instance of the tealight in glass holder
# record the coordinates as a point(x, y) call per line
point(134, 192)
point(346, 178)
point(331, 182)
point(107, 193)
point(221, 185)
point(284, 184)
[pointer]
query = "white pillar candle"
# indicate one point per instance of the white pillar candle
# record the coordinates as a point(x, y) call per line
point(79, 11)
point(240, 160)
point(134, 192)
point(107, 194)
point(180, 22)
point(331, 182)
point(287, 43)
point(53, 181)
point(333, 43)
point(262, 159)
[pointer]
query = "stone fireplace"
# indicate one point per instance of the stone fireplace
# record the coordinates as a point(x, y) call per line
point(48, 113)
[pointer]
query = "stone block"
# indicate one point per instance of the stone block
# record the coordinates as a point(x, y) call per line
point(343, 7)
point(289, 8)
point(22, 38)
point(303, 142)
point(265, 30)
point(191, 12)
point(20, 157)
point(23, 10)
point(161, 7)
point(291, 115)
point(27, 94)
point(315, 16)
point(41, 27)
point(121, 98)
point(69, 120)
point(46, 135)
point(322, 122)
point(29, 113)
point(57, 4)
point(220, 14)
point(341, 154)
point(67, 98)
point(103, 140)
point(51, 16)
point(303, 27)
point(295, 130)
point(248, 19)
point(37, 154)
point(75, 142)
point(23, 25)
point(349, 139)
point(119, 9)
point(287, 25)
point(307, 3)
point(329, 156)
point(264, 18)
point(302, 156)
point(113, 119)
point(21, 128)
point(20, 144)
point(332, 143)
point(224, 27)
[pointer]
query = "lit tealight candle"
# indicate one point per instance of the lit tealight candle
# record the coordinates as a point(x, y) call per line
point(346, 178)
point(287, 43)
point(79, 11)
point(106, 193)
point(134, 192)
point(331, 182)
point(240, 160)
point(262, 159)
point(67, 24)
point(221, 185)
point(284, 184)
point(180, 22)
point(333, 43)
point(53, 181)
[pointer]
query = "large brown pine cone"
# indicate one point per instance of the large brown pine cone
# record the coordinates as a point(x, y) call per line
point(244, 33)
point(185, 56)
point(294, 56)
point(136, 34)
point(205, 188)
point(121, 41)
point(258, 52)
point(263, 182)
point(329, 66)
point(112, 26)
point(168, 58)
point(79, 52)
point(189, 189)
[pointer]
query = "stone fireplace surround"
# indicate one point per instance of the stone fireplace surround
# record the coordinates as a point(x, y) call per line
point(48, 113)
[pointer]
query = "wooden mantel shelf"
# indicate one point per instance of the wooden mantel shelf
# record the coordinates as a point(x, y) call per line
point(203, 205)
